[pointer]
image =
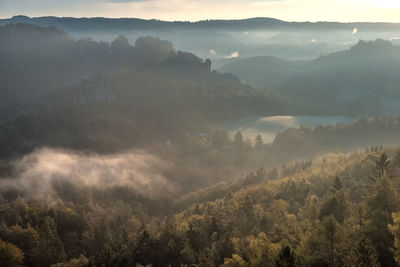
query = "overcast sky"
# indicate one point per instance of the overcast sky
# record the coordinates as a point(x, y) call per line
point(292, 10)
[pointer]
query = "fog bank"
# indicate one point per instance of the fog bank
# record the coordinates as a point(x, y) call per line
point(37, 174)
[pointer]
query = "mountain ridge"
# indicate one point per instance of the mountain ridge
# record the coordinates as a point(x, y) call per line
point(255, 23)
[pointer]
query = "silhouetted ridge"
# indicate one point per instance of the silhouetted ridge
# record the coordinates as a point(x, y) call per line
point(101, 23)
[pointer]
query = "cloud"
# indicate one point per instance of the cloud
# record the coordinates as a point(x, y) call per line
point(38, 172)
point(232, 55)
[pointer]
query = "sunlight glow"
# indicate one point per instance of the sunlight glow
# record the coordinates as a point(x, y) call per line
point(385, 3)
point(193, 10)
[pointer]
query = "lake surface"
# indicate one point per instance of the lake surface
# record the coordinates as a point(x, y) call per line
point(268, 127)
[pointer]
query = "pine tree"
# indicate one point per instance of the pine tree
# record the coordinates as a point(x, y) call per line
point(286, 258)
point(10, 255)
point(336, 203)
point(258, 141)
point(330, 227)
point(381, 203)
point(394, 228)
point(383, 167)
point(238, 140)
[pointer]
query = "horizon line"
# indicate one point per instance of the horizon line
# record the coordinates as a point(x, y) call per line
point(197, 21)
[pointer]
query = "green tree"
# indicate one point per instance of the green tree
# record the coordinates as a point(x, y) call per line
point(258, 141)
point(10, 255)
point(381, 203)
point(394, 228)
point(335, 204)
point(50, 247)
point(28, 240)
point(383, 167)
point(262, 252)
point(396, 159)
point(286, 258)
point(337, 184)
point(364, 253)
point(235, 261)
point(120, 46)
point(238, 140)
point(330, 227)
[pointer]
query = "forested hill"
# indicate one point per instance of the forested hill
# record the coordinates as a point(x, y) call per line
point(337, 210)
point(54, 87)
point(110, 97)
point(362, 80)
point(341, 210)
point(104, 24)
point(48, 60)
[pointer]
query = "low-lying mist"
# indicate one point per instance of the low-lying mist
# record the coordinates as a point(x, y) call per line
point(38, 174)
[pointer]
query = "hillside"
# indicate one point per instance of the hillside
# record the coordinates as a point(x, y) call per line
point(264, 71)
point(338, 209)
point(319, 214)
point(365, 77)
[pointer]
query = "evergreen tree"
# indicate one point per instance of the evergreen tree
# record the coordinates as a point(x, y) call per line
point(383, 167)
point(394, 228)
point(10, 255)
point(238, 140)
point(258, 141)
point(286, 258)
point(381, 203)
point(336, 203)
point(330, 227)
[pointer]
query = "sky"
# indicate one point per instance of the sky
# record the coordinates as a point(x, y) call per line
point(193, 10)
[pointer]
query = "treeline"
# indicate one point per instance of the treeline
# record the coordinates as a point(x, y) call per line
point(201, 154)
point(119, 24)
point(339, 210)
point(306, 143)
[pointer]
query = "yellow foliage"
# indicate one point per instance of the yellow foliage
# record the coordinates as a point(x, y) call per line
point(10, 255)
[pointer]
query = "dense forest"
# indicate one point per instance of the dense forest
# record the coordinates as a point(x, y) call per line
point(115, 154)
point(338, 210)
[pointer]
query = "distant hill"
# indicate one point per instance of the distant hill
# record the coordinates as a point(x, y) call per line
point(101, 23)
point(367, 74)
point(219, 39)
point(79, 24)
point(264, 70)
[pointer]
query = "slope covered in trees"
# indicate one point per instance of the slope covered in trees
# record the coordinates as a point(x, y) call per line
point(111, 97)
point(360, 81)
point(338, 210)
